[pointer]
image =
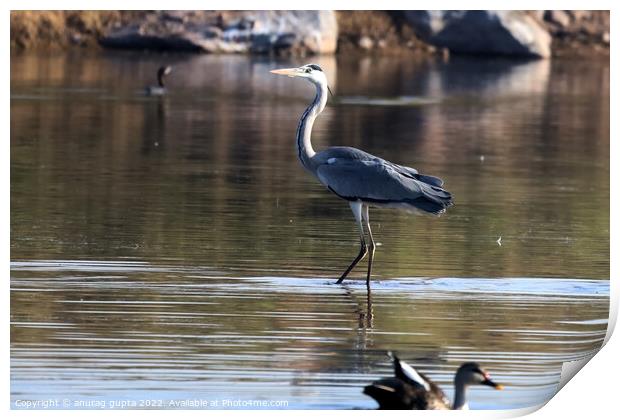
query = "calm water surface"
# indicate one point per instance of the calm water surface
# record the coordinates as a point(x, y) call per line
point(174, 248)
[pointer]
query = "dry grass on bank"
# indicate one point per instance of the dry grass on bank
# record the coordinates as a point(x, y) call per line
point(60, 29)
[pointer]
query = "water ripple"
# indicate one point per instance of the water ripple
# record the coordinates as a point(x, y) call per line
point(136, 329)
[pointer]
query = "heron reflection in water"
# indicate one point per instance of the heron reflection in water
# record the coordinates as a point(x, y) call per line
point(360, 178)
point(363, 310)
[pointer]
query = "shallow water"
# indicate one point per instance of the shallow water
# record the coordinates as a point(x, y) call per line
point(173, 248)
point(115, 330)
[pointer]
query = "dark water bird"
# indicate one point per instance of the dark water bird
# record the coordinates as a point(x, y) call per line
point(360, 178)
point(160, 89)
point(411, 390)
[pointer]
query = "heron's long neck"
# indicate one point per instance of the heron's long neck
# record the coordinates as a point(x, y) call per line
point(304, 144)
point(460, 395)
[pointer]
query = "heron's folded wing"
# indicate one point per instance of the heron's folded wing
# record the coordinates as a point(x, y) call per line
point(377, 181)
point(370, 180)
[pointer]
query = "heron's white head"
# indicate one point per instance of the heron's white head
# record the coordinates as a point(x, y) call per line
point(312, 72)
point(472, 374)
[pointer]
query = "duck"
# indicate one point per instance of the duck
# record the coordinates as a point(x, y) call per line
point(411, 390)
point(160, 89)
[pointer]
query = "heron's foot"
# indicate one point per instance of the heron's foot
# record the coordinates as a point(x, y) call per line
point(344, 276)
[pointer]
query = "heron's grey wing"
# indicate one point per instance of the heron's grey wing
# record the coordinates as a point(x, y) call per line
point(378, 181)
point(366, 179)
point(337, 153)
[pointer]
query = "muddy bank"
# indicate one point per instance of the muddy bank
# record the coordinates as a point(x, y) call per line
point(559, 33)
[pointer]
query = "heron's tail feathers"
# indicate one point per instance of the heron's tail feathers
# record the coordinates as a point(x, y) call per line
point(433, 200)
point(429, 179)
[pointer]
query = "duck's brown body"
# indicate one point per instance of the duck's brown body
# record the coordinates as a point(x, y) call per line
point(397, 394)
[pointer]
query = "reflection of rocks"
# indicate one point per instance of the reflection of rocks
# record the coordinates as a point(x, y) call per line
point(501, 77)
point(483, 32)
point(303, 32)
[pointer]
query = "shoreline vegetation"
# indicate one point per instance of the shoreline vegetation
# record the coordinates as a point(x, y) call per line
point(534, 34)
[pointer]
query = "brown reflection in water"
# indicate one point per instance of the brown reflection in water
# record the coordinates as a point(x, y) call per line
point(209, 175)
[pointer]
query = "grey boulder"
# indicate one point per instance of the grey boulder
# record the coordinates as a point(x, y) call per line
point(303, 32)
point(489, 32)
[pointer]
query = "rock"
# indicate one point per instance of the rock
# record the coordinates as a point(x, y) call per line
point(583, 35)
point(312, 32)
point(537, 14)
point(77, 39)
point(558, 17)
point(174, 16)
point(605, 38)
point(366, 43)
point(579, 15)
point(212, 32)
point(492, 32)
point(315, 32)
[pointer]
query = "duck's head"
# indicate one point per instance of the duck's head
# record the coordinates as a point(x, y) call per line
point(164, 71)
point(472, 374)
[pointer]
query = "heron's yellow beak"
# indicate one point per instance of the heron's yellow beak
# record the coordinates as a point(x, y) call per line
point(286, 72)
point(499, 387)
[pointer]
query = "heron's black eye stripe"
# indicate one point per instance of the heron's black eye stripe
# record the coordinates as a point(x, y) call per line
point(315, 67)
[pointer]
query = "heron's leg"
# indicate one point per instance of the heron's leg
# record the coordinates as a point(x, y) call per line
point(371, 247)
point(356, 207)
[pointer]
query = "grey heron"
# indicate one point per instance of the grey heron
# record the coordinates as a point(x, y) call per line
point(359, 177)
point(160, 89)
point(411, 390)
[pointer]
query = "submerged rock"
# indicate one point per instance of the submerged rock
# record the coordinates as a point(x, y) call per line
point(493, 32)
point(305, 32)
